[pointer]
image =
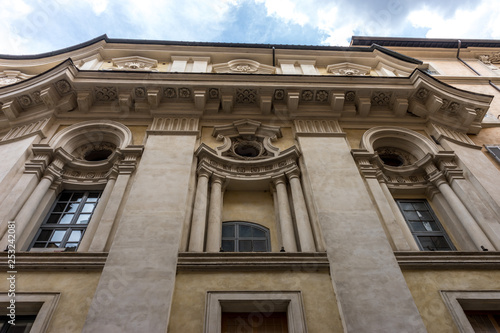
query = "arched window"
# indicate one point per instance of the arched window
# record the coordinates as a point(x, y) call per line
point(244, 237)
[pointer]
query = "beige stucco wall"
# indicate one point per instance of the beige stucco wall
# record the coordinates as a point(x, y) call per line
point(488, 136)
point(252, 206)
point(138, 134)
point(76, 291)
point(425, 287)
point(320, 305)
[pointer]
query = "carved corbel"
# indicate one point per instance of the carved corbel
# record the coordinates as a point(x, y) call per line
point(125, 102)
point(49, 97)
point(337, 102)
point(363, 105)
point(227, 103)
point(200, 98)
point(154, 98)
point(292, 101)
point(265, 104)
point(400, 107)
point(434, 103)
point(84, 100)
point(67, 103)
point(130, 155)
point(11, 109)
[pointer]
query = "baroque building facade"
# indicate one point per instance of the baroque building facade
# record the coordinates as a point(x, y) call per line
point(150, 186)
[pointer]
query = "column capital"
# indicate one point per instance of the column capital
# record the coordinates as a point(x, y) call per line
point(279, 179)
point(294, 173)
point(202, 172)
point(216, 178)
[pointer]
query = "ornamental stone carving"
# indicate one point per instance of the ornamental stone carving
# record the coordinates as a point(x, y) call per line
point(348, 69)
point(490, 59)
point(135, 63)
point(247, 140)
point(245, 66)
point(11, 77)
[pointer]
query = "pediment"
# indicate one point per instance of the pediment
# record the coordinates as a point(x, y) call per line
point(243, 66)
point(10, 77)
point(134, 63)
point(349, 69)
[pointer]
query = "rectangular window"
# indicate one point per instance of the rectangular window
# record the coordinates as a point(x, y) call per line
point(425, 226)
point(67, 221)
point(495, 151)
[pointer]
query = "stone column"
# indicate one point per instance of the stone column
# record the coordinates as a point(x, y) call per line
point(400, 220)
point(285, 216)
point(198, 225)
point(214, 228)
point(102, 206)
point(301, 217)
point(463, 214)
point(23, 217)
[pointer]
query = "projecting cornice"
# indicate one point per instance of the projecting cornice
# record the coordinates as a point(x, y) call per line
point(66, 91)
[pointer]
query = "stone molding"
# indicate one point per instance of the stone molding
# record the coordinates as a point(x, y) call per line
point(317, 128)
point(26, 130)
point(252, 261)
point(448, 260)
point(55, 261)
point(246, 170)
point(460, 138)
point(174, 126)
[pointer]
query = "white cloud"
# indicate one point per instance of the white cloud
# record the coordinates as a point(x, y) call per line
point(289, 10)
point(11, 39)
point(479, 22)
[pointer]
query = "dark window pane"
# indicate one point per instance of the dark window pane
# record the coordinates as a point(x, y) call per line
point(44, 235)
point(228, 246)
point(417, 226)
point(419, 206)
point(412, 216)
point(406, 206)
point(72, 207)
point(434, 243)
point(245, 231)
point(59, 207)
point(245, 246)
point(259, 245)
point(65, 196)
point(93, 197)
point(228, 230)
point(53, 218)
point(77, 197)
point(259, 233)
point(39, 245)
point(54, 245)
point(71, 246)
point(425, 215)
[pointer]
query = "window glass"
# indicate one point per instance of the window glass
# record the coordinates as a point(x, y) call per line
point(425, 226)
point(244, 237)
point(66, 229)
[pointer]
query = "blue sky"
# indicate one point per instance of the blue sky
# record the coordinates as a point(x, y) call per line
point(36, 26)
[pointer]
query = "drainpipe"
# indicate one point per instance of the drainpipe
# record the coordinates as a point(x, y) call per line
point(472, 69)
point(274, 57)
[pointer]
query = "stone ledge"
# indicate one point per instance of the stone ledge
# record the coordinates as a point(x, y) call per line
point(309, 262)
point(448, 260)
point(28, 261)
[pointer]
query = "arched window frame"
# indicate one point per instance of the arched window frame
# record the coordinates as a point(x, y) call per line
point(236, 238)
